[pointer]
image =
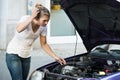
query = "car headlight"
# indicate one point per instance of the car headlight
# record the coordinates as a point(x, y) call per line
point(37, 75)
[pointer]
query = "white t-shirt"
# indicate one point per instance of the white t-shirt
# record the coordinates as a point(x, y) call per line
point(22, 42)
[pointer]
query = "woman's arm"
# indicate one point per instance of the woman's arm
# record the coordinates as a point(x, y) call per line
point(23, 25)
point(47, 49)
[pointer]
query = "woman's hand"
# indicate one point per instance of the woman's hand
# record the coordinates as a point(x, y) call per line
point(35, 12)
point(23, 25)
point(60, 60)
point(48, 50)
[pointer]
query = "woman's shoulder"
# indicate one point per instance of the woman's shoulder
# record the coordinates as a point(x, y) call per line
point(25, 16)
point(43, 27)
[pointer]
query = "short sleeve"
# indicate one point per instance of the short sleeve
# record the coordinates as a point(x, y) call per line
point(23, 18)
point(44, 31)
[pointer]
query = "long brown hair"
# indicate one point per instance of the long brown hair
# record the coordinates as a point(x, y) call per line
point(42, 11)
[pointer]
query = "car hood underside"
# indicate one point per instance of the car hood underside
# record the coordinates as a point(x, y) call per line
point(96, 21)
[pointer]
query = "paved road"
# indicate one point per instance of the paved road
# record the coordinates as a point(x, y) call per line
point(40, 58)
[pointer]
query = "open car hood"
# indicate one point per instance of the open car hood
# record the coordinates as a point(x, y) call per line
point(96, 21)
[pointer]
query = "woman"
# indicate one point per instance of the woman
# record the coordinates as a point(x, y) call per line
point(28, 29)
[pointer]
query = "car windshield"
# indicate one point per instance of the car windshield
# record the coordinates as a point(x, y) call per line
point(108, 47)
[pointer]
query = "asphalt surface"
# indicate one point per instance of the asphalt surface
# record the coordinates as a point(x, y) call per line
point(40, 58)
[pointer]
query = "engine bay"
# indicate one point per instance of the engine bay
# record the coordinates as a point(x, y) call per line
point(92, 65)
point(90, 68)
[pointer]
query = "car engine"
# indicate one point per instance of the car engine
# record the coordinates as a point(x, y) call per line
point(87, 66)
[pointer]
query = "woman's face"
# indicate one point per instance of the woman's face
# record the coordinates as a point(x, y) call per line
point(43, 21)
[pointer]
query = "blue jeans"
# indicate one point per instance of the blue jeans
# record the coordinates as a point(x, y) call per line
point(17, 66)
